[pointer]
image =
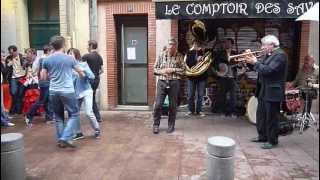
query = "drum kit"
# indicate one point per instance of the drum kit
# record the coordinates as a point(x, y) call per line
point(291, 116)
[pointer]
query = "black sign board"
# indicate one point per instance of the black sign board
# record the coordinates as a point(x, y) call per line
point(232, 9)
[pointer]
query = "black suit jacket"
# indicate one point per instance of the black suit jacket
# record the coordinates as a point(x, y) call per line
point(272, 73)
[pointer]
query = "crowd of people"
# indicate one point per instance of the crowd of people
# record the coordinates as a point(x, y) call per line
point(60, 81)
point(52, 83)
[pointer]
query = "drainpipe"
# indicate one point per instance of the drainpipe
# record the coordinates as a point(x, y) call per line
point(68, 33)
point(93, 19)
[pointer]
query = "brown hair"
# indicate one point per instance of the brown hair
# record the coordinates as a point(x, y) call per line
point(76, 53)
point(93, 44)
point(57, 42)
point(31, 50)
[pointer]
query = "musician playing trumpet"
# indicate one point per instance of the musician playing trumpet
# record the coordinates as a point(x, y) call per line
point(270, 90)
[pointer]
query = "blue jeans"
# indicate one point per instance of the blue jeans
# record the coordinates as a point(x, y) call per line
point(89, 113)
point(68, 101)
point(196, 89)
point(17, 91)
point(4, 117)
point(43, 100)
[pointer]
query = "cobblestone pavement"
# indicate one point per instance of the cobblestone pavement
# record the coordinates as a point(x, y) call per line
point(128, 150)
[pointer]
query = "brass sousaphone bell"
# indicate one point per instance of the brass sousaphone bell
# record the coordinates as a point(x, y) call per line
point(199, 32)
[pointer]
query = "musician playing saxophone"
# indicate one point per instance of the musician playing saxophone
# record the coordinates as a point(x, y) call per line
point(169, 68)
point(196, 84)
point(270, 90)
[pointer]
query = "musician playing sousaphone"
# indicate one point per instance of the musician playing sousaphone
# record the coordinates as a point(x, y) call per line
point(307, 80)
point(196, 84)
point(270, 90)
point(197, 61)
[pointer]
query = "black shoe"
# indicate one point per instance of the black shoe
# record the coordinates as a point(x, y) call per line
point(257, 140)
point(99, 120)
point(170, 129)
point(63, 144)
point(155, 129)
point(78, 136)
point(97, 134)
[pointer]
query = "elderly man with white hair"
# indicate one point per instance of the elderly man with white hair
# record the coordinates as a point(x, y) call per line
point(270, 90)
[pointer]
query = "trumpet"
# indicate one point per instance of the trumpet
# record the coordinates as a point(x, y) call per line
point(242, 57)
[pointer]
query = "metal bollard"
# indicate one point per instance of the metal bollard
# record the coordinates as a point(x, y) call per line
point(220, 162)
point(12, 157)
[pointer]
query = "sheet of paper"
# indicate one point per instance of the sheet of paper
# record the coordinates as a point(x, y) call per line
point(131, 53)
point(40, 53)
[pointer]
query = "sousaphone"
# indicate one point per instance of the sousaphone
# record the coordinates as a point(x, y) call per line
point(199, 33)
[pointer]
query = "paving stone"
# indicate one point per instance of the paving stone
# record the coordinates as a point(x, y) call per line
point(128, 150)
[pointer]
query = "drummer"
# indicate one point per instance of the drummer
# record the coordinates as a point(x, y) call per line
point(307, 77)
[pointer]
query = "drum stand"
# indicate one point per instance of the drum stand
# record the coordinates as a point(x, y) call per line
point(206, 99)
point(306, 119)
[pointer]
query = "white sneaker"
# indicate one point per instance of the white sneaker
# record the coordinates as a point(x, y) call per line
point(189, 114)
point(202, 114)
point(27, 120)
point(10, 124)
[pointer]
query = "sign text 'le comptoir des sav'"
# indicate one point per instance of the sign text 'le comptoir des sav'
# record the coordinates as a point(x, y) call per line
point(232, 9)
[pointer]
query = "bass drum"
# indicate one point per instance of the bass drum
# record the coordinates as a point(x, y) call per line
point(252, 106)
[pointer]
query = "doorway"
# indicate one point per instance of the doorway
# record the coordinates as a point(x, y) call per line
point(133, 59)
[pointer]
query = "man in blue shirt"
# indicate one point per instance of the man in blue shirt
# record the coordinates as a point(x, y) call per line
point(59, 68)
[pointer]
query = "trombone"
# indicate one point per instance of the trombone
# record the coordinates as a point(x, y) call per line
point(241, 57)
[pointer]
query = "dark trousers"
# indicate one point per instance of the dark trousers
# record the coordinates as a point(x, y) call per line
point(307, 106)
point(94, 86)
point(162, 92)
point(268, 120)
point(196, 90)
point(43, 100)
point(17, 92)
point(226, 96)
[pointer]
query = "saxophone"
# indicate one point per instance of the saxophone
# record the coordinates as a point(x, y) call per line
point(198, 30)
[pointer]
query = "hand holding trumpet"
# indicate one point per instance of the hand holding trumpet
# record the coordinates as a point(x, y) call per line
point(250, 58)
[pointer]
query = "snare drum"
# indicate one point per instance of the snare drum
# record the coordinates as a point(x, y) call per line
point(252, 106)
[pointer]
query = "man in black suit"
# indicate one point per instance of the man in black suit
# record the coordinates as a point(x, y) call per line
point(270, 91)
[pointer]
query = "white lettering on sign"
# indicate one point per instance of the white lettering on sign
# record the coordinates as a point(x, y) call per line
point(174, 10)
point(243, 8)
point(299, 9)
point(269, 8)
point(216, 8)
point(235, 8)
point(206, 9)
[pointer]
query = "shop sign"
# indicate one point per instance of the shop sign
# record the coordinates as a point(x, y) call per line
point(232, 9)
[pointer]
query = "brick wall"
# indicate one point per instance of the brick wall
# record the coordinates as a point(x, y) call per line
point(174, 28)
point(121, 8)
point(304, 41)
